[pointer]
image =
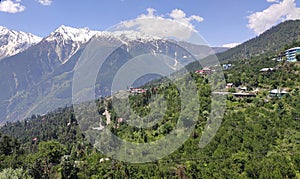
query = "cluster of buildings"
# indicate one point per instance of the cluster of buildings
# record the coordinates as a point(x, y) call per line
point(209, 70)
point(243, 92)
point(290, 54)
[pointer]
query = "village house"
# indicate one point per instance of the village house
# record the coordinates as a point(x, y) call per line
point(243, 88)
point(277, 93)
point(226, 66)
point(279, 57)
point(208, 70)
point(137, 90)
point(229, 85)
point(103, 160)
point(200, 72)
point(266, 69)
point(204, 71)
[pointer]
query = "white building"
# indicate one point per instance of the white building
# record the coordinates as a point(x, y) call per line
point(292, 53)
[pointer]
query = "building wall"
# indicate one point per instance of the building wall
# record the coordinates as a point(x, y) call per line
point(291, 54)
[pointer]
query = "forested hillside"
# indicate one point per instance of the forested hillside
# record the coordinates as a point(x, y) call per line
point(270, 42)
point(259, 136)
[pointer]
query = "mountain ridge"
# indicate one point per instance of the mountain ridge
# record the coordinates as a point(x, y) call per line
point(42, 74)
point(48, 68)
point(13, 42)
point(272, 40)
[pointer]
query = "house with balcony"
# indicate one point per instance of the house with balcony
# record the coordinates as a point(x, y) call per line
point(292, 53)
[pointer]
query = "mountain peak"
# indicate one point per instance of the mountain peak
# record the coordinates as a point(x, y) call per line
point(66, 41)
point(63, 32)
point(126, 36)
point(64, 29)
point(3, 28)
point(13, 42)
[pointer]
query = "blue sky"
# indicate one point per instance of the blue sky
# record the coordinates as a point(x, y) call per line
point(218, 21)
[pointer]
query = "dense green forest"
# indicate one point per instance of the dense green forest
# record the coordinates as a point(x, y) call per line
point(265, 44)
point(259, 136)
point(272, 42)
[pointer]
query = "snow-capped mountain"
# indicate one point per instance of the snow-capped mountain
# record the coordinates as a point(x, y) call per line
point(66, 33)
point(126, 36)
point(13, 42)
point(66, 41)
point(40, 78)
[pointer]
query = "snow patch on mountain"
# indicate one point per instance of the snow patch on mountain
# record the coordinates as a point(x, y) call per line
point(80, 35)
point(13, 42)
point(68, 40)
point(127, 36)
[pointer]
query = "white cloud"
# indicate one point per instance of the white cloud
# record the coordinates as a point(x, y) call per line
point(177, 14)
point(231, 45)
point(10, 6)
point(196, 18)
point(180, 16)
point(45, 2)
point(272, 0)
point(175, 24)
point(151, 12)
point(275, 13)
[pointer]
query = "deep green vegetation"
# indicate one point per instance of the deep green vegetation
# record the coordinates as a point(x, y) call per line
point(259, 136)
point(270, 42)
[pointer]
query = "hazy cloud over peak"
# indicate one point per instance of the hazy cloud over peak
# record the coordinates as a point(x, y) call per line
point(176, 24)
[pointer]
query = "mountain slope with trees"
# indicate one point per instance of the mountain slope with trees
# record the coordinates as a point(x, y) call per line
point(259, 136)
point(270, 42)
